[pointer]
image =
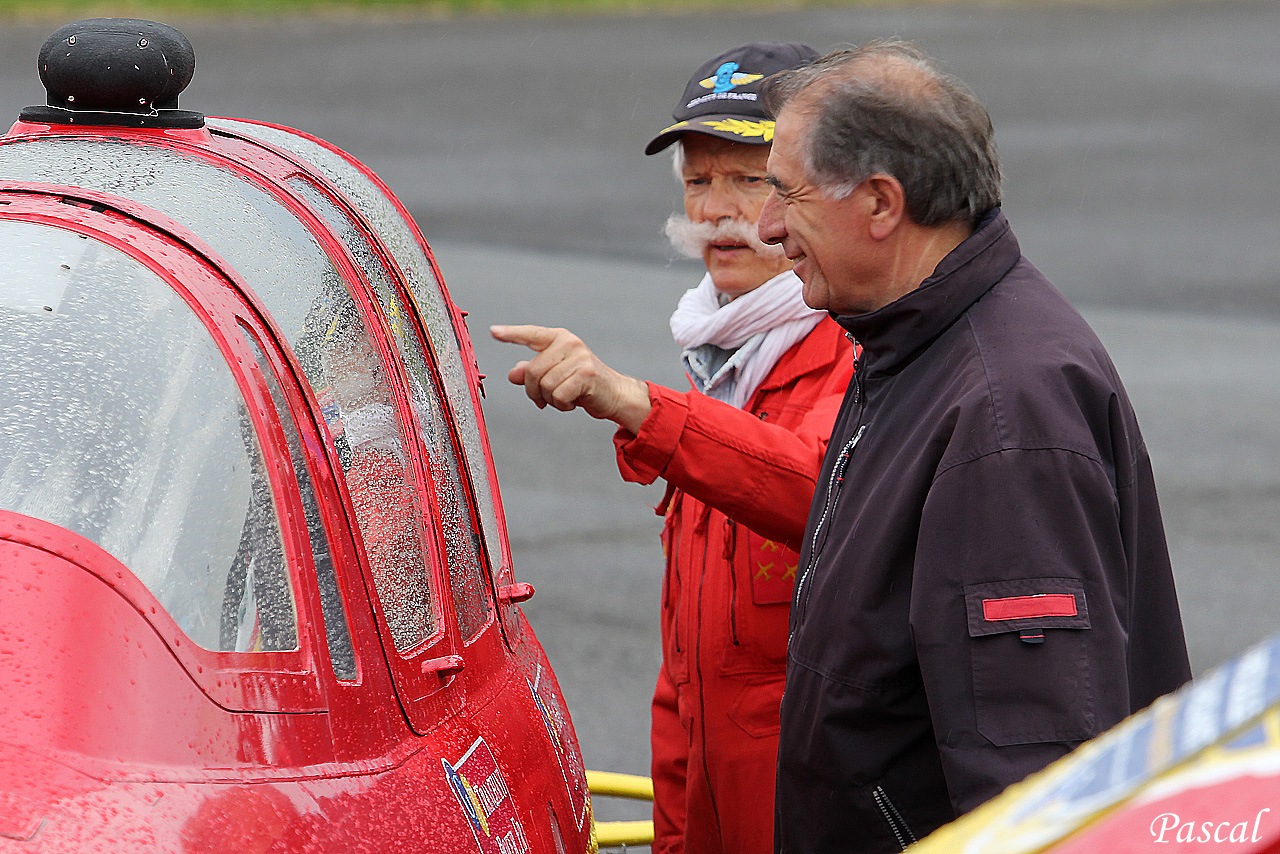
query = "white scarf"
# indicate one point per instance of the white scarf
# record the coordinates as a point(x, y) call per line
point(752, 331)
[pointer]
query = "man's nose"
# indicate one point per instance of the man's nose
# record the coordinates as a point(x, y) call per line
point(770, 227)
point(720, 203)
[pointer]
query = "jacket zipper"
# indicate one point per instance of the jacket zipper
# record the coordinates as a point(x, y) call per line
point(836, 480)
point(834, 483)
point(893, 818)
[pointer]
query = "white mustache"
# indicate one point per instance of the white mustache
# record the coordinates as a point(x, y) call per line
point(691, 238)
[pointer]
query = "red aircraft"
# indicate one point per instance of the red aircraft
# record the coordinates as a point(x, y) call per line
point(258, 592)
point(1198, 770)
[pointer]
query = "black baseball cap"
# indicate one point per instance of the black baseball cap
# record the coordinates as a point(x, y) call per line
point(723, 96)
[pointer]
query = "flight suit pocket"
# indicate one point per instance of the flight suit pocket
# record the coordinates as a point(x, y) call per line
point(1028, 645)
point(763, 581)
point(756, 708)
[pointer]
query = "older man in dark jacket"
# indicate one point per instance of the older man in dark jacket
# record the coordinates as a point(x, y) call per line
point(985, 581)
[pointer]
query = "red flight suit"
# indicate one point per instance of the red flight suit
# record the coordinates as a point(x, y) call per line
point(739, 485)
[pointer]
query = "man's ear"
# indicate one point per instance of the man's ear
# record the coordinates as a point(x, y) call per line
point(888, 205)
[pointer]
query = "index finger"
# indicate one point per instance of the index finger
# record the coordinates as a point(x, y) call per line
point(536, 338)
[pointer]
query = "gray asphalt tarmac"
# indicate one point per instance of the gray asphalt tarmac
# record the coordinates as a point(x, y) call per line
point(1138, 144)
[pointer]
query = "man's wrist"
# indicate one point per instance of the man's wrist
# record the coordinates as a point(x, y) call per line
point(634, 405)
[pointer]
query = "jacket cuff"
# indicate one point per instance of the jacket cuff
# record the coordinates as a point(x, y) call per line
point(643, 457)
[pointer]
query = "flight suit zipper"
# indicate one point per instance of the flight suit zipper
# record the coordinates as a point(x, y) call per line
point(677, 595)
point(697, 665)
point(730, 555)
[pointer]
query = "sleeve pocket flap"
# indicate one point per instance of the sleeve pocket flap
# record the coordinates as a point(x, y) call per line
point(1012, 606)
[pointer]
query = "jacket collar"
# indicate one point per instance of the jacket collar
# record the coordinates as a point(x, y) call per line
point(894, 334)
point(817, 351)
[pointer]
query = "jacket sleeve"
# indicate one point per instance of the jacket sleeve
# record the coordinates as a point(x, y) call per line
point(1019, 613)
point(757, 473)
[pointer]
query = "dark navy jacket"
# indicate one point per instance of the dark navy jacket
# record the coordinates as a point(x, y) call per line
point(985, 581)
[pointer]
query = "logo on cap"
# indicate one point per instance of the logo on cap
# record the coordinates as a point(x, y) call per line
point(743, 127)
point(727, 77)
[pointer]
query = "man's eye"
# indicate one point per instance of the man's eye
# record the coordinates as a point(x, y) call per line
point(753, 179)
point(783, 193)
point(694, 182)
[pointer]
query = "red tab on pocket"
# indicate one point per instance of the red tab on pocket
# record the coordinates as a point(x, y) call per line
point(1029, 607)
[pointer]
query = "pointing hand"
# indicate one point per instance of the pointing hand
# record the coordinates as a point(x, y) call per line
point(565, 374)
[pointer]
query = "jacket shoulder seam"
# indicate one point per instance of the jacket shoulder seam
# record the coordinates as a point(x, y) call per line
point(978, 455)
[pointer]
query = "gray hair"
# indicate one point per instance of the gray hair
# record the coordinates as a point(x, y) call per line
point(886, 108)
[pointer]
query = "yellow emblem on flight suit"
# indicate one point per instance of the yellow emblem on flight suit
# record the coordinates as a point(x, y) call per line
point(767, 546)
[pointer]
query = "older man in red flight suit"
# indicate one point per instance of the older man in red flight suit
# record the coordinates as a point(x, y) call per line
point(740, 454)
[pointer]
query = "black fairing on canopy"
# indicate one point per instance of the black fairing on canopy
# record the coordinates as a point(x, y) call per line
point(115, 71)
